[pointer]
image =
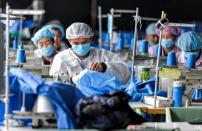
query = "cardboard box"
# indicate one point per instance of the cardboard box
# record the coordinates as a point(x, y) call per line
point(160, 101)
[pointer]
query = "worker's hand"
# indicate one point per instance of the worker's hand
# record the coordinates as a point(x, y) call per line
point(96, 66)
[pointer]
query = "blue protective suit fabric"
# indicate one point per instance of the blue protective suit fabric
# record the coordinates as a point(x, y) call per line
point(65, 96)
point(23, 79)
point(138, 90)
point(63, 103)
point(62, 96)
point(197, 94)
point(25, 24)
point(132, 91)
point(96, 83)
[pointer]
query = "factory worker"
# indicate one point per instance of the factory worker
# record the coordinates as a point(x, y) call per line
point(44, 40)
point(82, 56)
point(168, 43)
point(169, 38)
point(151, 37)
point(190, 43)
point(59, 35)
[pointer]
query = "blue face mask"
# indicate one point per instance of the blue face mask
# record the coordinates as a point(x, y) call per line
point(167, 43)
point(47, 51)
point(81, 50)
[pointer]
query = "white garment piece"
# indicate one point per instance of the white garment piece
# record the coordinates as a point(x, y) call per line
point(67, 62)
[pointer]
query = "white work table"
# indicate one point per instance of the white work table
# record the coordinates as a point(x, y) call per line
point(182, 126)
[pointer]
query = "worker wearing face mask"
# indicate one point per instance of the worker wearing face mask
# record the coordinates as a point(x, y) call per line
point(59, 34)
point(44, 40)
point(82, 56)
point(190, 43)
point(151, 37)
point(169, 37)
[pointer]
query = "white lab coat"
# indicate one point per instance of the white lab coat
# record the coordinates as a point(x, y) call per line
point(67, 62)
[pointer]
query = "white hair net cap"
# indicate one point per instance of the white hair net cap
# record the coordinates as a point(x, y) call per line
point(189, 41)
point(79, 30)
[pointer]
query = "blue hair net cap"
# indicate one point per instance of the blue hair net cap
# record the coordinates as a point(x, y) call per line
point(57, 27)
point(41, 34)
point(151, 29)
point(190, 41)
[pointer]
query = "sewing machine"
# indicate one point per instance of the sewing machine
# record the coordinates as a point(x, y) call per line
point(191, 78)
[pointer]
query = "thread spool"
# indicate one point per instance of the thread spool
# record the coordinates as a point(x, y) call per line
point(105, 38)
point(126, 37)
point(21, 56)
point(191, 60)
point(131, 43)
point(156, 48)
point(177, 93)
point(144, 47)
point(171, 59)
point(120, 44)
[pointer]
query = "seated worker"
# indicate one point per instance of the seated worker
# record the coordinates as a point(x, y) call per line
point(59, 35)
point(151, 37)
point(44, 40)
point(169, 37)
point(190, 43)
point(82, 56)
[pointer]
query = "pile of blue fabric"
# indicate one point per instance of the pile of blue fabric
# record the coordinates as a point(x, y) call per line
point(104, 84)
point(64, 97)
